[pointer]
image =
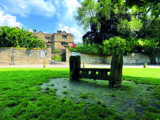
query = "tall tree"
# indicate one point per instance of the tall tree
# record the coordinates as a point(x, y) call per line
point(102, 17)
point(147, 11)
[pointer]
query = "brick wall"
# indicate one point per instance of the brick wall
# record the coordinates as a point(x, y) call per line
point(24, 56)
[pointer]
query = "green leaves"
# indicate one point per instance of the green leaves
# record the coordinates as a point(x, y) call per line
point(149, 46)
point(87, 13)
point(94, 49)
point(115, 45)
point(16, 37)
point(122, 46)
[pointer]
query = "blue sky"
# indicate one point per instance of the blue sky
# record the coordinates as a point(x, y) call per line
point(43, 15)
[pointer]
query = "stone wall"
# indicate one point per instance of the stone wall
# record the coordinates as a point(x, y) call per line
point(68, 54)
point(91, 59)
point(58, 45)
point(133, 58)
point(15, 56)
point(58, 40)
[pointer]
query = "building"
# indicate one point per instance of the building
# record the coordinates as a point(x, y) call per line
point(57, 40)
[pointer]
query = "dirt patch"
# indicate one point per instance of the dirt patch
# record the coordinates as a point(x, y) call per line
point(131, 98)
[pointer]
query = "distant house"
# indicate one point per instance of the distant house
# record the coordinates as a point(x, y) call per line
point(57, 40)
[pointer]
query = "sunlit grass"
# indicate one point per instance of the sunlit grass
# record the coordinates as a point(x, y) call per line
point(22, 98)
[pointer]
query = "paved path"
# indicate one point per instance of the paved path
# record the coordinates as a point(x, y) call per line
point(67, 66)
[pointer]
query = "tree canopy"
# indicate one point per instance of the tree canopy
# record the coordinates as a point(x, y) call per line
point(132, 25)
point(16, 37)
point(103, 17)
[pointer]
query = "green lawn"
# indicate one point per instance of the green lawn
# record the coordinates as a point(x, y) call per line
point(21, 97)
point(141, 75)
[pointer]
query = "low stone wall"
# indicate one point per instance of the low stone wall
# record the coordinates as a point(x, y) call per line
point(91, 59)
point(15, 56)
point(132, 58)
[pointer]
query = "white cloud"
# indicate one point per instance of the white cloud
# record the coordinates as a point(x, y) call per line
point(74, 31)
point(70, 30)
point(27, 7)
point(8, 20)
point(72, 5)
point(78, 40)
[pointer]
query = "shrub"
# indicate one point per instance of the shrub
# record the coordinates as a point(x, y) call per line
point(73, 45)
point(94, 49)
point(119, 45)
point(56, 51)
point(57, 57)
point(115, 45)
point(147, 46)
point(16, 37)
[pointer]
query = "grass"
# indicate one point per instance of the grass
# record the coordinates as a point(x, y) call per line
point(21, 98)
point(141, 75)
point(52, 84)
point(65, 92)
point(83, 95)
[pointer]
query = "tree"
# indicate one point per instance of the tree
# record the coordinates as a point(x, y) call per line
point(147, 11)
point(109, 18)
point(154, 29)
point(102, 17)
point(16, 37)
point(132, 21)
point(87, 13)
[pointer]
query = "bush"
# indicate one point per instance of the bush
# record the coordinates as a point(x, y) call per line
point(56, 51)
point(147, 46)
point(57, 57)
point(115, 45)
point(119, 45)
point(94, 49)
point(16, 37)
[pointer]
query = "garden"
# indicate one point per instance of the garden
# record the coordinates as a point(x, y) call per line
point(49, 94)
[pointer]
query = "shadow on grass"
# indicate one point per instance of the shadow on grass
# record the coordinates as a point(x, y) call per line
point(142, 80)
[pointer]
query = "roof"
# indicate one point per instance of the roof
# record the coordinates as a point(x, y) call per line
point(47, 35)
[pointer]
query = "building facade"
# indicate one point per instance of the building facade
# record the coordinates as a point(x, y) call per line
point(58, 40)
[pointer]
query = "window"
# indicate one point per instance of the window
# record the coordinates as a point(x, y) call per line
point(64, 36)
point(64, 43)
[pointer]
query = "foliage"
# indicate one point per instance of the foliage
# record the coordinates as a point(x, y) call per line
point(52, 49)
point(57, 51)
point(92, 11)
point(146, 6)
point(94, 49)
point(145, 10)
point(110, 47)
point(87, 13)
point(56, 57)
point(147, 46)
point(136, 18)
point(16, 37)
point(115, 45)
point(108, 18)
point(119, 45)
point(73, 45)
point(154, 29)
